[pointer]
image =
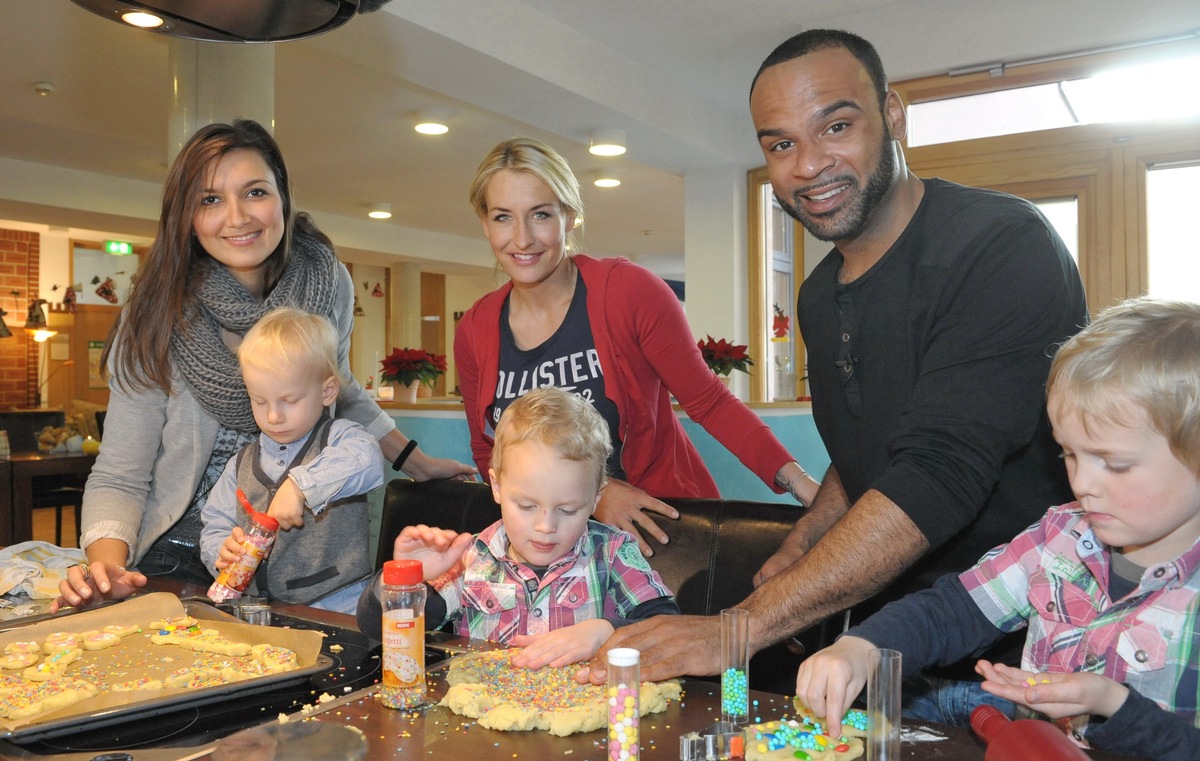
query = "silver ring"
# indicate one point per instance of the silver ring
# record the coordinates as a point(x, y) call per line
point(87, 569)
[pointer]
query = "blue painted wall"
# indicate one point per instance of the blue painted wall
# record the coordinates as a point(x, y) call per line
point(444, 434)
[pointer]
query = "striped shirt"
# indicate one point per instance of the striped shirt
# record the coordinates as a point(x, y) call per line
point(495, 598)
point(1054, 578)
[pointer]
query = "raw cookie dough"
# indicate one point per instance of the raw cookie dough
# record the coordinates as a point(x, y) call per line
point(487, 687)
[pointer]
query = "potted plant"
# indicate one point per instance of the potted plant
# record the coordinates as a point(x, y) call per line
point(723, 357)
point(408, 367)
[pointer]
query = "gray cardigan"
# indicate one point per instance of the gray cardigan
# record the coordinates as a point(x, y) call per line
point(156, 447)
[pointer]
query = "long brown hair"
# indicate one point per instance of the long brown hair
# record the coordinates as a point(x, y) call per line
point(163, 294)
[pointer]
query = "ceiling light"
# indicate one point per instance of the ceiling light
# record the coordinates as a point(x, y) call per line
point(607, 142)
point(43, 88)
point(240, 21)
point(432, 121)
point(142, 20)
point(606, 178)
point(380, 211)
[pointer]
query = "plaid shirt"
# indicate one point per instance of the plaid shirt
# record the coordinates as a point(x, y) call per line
point(496, 599)
point(1054, 577)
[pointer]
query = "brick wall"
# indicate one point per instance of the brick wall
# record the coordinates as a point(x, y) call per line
point(20, 262)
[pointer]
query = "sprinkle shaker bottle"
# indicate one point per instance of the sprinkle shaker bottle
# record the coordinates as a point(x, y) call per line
point(233, 580)
point(624, 685)
point(1022, 740)
point(403, 598)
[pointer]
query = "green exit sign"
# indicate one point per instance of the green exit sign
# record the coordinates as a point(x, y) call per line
point(118, 247)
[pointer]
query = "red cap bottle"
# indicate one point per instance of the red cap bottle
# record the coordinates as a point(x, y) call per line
point(1022, 740)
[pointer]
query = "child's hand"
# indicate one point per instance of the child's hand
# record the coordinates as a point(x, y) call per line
point(438, 549)
point(287, 506)
point(1056, 695)
point(829, 681)
point(561, 647)
point(232, 549)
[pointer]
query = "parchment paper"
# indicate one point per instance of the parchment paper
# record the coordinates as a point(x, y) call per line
point(136, 657)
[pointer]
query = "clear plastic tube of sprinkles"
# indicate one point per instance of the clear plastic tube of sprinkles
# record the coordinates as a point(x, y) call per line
point(624, 684)
point(735, 666)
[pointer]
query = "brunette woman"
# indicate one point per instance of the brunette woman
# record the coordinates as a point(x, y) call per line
point(606, 329)
point(230, 247)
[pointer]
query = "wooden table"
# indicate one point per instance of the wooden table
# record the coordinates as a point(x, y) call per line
point(436, 733)
point(23, 468)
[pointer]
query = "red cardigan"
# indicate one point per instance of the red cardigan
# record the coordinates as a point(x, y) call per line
point(648, 353)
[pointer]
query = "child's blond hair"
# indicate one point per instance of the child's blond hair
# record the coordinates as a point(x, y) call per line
point(562, 421)
point(291, 340)
point(1140, 354)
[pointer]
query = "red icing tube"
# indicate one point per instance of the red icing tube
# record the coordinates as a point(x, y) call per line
point(1022, 740)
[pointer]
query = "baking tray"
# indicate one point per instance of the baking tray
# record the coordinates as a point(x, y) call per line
point(110, 708)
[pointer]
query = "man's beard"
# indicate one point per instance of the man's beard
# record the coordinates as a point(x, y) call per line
point(850, 220)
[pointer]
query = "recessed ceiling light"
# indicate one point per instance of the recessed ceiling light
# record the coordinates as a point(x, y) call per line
point(432, 121)
point(606, 178)
point(380, 211)
point(142, 19)
point(607, 142)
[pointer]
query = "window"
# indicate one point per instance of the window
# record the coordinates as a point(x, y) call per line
point(1173, 254)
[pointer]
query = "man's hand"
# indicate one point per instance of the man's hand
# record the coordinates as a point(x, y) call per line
point(562, 647)
point(625, 506)
point(671, 646)
point(99, 581)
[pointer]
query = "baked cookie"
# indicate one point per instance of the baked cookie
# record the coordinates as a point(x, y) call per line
point(193, 637)
point(121, 630)
point(98, 640)
point(192, 678)
point(274, 658)
point(22, 647)
point(13, 661)
point(145, 683)
point(487, 687)
point(46, 696)
point(60, 641)
point(52, 665)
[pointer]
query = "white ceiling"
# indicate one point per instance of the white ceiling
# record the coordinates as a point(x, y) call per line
point(672, 73)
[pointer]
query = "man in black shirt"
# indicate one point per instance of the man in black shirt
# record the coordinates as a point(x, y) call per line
point(929, 326)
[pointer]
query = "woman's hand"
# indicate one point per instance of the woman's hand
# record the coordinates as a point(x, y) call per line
point(85, 584)
point(425, 468)
point(562, 647)
point(794, 480)
point(623, 505)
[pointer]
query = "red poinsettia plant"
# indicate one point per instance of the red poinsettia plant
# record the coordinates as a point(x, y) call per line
point(724, 357)
point(403, 366)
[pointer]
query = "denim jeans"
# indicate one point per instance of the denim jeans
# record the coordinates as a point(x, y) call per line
point(947, 701)
point(175, 561)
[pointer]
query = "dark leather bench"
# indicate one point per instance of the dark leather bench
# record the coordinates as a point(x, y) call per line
point(715, 548)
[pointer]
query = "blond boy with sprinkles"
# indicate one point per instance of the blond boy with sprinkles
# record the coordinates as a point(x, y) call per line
point(544, 577)
point(1109, 585)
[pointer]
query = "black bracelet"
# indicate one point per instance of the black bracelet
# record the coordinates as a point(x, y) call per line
point(408, 449)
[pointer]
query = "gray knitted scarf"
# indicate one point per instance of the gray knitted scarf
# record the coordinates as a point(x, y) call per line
point(211, 370)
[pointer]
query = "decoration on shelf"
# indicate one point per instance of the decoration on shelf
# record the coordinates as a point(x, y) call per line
point(95, 279)
point(408, 367)
point(780, 325)
point(378, 292)
point(723, 357)
point(108, 291)
point(68, 301)
point(358, 310)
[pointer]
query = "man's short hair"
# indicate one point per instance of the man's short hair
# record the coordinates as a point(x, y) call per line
point(561, 420)
point(1142, 353)
point(813, 40)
